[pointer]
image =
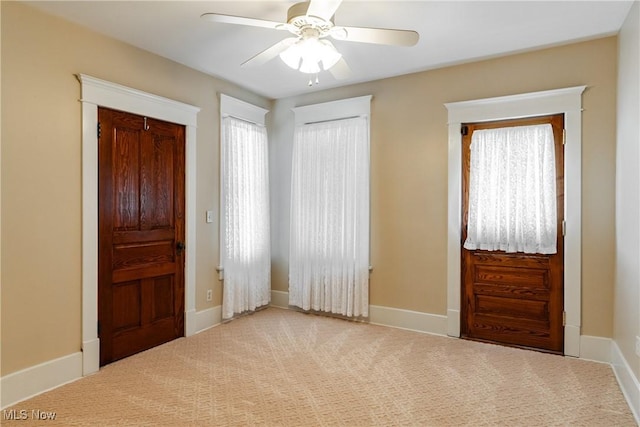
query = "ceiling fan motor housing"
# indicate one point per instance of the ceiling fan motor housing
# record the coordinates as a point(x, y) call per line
point(297, 16)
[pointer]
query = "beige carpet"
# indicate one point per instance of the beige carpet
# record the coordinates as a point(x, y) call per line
point(284, 368)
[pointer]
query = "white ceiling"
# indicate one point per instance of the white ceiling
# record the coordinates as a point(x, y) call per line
point(451, 32)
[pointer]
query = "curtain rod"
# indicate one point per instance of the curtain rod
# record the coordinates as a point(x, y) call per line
point(225, 115)
point(334, 120)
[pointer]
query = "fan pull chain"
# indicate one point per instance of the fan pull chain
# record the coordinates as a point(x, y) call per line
point(311, 81)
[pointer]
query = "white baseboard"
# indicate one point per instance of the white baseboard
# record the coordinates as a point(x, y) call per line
point(22, 385)
point(205, 319)
point(597, 349)
point(629, 384)
point(279, 299)
point(407, 319)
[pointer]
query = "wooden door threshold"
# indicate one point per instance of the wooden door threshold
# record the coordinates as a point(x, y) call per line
point(522, 347)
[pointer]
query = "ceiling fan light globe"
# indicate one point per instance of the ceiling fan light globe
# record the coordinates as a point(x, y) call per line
point(309, 66)
point(326, 64)
point(292, 56)
point(311, 55)
point(329, 56)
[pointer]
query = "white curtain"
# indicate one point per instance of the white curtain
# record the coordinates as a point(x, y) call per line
point(329, 251)
point(246, 255)
point(512, 190)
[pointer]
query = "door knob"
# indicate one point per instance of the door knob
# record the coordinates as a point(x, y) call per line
point(180, 247)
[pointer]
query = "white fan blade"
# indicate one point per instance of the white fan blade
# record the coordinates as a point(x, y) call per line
point(376, 35)
point(269, 53)
point(340, 70)
point(240, 20)
point(324, 9)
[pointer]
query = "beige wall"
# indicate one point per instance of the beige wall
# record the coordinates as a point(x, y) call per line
point(627, 289)
point(41, 172)
point(409, 171)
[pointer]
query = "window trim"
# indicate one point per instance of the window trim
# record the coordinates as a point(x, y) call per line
point(333, 110)
point(230, 106)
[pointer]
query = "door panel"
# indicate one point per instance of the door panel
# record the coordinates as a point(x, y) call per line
point(141, 222)
point(126, 149)
point(157, 183)
point(514, 298)
point(126, 314)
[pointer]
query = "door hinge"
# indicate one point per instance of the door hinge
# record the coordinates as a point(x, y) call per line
point(99, 329)
point(564, 136)
point(464, 130)
point(564, 228)
point(99, 130)
point(564, 318)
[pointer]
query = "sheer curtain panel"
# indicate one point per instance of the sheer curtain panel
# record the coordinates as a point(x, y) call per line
point(329, 251)
point(512, 190)
point(245, 250)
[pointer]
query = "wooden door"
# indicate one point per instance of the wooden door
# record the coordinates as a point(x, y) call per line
point(514, 298)
point(141, 233)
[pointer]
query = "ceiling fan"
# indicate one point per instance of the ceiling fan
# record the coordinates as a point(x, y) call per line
point(309, 51)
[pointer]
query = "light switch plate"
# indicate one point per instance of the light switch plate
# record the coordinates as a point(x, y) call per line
point(209, 216)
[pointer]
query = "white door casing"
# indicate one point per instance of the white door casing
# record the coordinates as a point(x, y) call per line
point(96, 92)
point(567, 101)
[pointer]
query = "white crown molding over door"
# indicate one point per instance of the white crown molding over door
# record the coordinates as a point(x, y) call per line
point(567, 101)
point(100, 93)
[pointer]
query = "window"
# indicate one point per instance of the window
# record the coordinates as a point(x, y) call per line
point(244, 208)
point(512, 190)
point(329, 251)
